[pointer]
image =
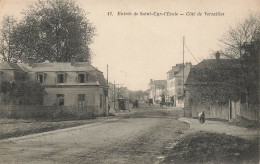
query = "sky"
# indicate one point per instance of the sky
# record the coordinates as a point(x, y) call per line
point(138, 48)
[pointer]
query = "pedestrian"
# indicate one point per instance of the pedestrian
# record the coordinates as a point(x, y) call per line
point(202, 117)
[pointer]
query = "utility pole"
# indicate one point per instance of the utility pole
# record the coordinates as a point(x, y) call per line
point(108, 106)
point(107, 74)
point(183, 71)
point(114, 95)
point(183, 63)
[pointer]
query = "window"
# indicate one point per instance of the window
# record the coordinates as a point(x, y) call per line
point(101, 105)
point(81, 99)
point(40, 77)
point(60, 99)
point(81, 78)
point(179, 81)
point(60, 78)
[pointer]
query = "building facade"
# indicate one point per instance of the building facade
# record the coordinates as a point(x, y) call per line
point(175, 83)
point(66, 84)
point(156, 89)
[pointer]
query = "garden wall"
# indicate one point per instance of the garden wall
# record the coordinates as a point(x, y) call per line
point(250, 112)
point(22, 111)
point(216, 111)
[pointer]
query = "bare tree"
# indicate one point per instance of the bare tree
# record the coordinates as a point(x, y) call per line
point(236, 38)
point(242, 42)
point(7, 49)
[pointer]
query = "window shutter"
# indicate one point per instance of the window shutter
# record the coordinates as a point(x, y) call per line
point(44, 77)
point(56, 79)
point(76, 78)
point(65, 77)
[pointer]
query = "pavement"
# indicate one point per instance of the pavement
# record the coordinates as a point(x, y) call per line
point(221, 127)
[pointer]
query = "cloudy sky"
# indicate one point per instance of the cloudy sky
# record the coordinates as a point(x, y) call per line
point(138, 48)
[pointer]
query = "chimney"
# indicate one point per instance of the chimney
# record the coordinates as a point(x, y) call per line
point(30, 62)
point(73, 61)
point(151, 80)
point(217, 55)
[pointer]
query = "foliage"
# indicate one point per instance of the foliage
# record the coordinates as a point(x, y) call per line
point(53, 30)
point(216, 83)
point(7, 46)
point(247, 31)
point(205, 147)
point(214, 94)
point(22, 92)
point(243, 43)
point(138, 95)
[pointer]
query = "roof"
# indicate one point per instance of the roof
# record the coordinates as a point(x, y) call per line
point(95, 74)
point(214, 71)
point(10, 66)
point(178, 70)
point(158, 82)
point(66, 67)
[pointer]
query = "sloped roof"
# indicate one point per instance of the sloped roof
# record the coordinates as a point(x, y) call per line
point(158, 82)
point(95, 74)
point(66, 67)
point(10, 66)
point(214, 71)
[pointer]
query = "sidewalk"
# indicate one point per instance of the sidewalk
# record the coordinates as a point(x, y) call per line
point(221, 127)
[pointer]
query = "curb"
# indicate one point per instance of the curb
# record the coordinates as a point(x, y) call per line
point(184, 121)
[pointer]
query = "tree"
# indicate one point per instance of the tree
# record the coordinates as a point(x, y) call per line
point(242, 42)
point(7, 47)
point(54, 30)
point(245, 32)
point(21, 93)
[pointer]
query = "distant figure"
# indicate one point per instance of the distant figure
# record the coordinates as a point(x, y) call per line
point(135, 104)
point(202, 117)
point(162, 100)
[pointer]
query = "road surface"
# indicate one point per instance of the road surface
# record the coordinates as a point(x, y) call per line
point(133, 139)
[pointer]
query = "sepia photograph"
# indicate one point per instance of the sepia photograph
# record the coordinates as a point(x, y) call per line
point(129, 81)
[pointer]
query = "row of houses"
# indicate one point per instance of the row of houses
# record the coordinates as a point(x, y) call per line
point(214, 86)
point(66, 84)
point(173, 87)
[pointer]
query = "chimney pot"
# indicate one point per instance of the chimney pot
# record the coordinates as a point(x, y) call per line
point(73, 61)
point(30, 62)
point(217, 55)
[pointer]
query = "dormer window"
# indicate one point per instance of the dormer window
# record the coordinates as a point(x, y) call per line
point(40, 77)
point(61, 77)
point(82, 77)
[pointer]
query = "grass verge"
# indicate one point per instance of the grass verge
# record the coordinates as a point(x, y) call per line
point(19, 127)
point(206, 147)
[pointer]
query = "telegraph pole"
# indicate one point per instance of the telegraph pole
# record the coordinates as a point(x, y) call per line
point(183, 63)
point(108, 106)
point(183, 73)
point(114, 95)
point(107, 74)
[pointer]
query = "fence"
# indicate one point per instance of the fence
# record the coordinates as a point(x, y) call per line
point(226, 112)
point(216, 111)
point(20, 111)
point(250, 112)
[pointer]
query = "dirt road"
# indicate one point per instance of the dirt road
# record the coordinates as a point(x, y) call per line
point(120, 140)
